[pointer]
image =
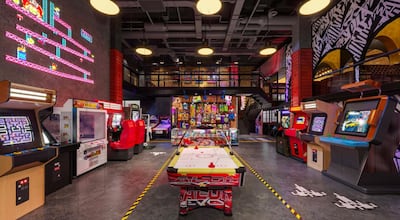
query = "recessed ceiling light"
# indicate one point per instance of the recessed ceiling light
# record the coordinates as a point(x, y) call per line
point(107, 7)
point(313, 6)
point(236, 62)
point(161, 62)
point(143, 51)
point(205, 51)
point(267, 51)
point(208, 7)
point(199, 62)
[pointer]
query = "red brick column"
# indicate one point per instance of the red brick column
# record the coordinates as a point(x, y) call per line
point(301, 75)
point(116, 60)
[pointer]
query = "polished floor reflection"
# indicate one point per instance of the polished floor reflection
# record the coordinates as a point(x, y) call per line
point(108, 192)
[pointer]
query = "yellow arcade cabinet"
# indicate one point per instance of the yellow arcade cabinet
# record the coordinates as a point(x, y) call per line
point(23, 154)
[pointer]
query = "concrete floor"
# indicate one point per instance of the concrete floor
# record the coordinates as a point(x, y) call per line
point(110, 190)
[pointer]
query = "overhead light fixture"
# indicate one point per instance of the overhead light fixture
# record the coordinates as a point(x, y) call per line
point(267, 51)
point(208, 7)
point(107, 7)
point(144, 51)
point(205, 51)
point(313, 6)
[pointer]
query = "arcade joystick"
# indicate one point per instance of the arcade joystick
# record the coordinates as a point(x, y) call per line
point(211, 165)
point(196, 147)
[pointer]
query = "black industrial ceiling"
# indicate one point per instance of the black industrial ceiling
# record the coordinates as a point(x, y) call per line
point(174, 29)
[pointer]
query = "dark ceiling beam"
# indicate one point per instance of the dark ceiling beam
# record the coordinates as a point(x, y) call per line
point(233, 22)
point(179, 35)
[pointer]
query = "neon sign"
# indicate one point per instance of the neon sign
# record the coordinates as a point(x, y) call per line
point(53, 43)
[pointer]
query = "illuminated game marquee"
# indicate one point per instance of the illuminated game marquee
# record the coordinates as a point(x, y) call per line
point(59, 53)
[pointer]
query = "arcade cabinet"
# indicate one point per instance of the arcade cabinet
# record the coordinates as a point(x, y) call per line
point(23, 154)
point(322, 122)
point(298, 148)
point(122, 148)
point(89, 128)
point(282, 142)
point(140, 135)
point(365, 141)
point(58, 172)
point(120, 133)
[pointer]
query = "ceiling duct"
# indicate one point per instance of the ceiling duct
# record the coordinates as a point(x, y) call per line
point(152, 5)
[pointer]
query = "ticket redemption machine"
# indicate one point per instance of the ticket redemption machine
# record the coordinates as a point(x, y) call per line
point(365, 141)
point(23, 154)
point(322, 122)
point(298, 148)
point(89, 128)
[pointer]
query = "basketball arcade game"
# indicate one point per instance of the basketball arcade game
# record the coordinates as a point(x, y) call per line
point(205, 169)
point(22, 151)
point(298, 148)
point(365, 141)
point(322, 122)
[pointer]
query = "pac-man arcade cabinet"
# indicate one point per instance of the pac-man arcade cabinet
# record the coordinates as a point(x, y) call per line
point(23, 154)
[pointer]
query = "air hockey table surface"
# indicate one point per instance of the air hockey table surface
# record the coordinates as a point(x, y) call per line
point(205, 166)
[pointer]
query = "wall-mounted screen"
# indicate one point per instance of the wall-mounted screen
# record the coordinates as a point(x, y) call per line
point(318, 122)
point(18, 131)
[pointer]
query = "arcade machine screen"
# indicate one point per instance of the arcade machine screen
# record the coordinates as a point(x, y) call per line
point(285, 121)
point(91, 125)
point(318, 123)
point(355, 118)
point(18, 131)
point(355, 123)
point(300, 120)
point(116, 120)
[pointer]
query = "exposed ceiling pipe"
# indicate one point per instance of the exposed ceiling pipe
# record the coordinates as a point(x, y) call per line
point(216, 27)
point(251, 15)
point(173, 4)
point(233, 22)
point(277, 20)
point(158, 35)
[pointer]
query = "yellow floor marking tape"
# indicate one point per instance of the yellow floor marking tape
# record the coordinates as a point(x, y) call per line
point(266, 184)
point(149, 185)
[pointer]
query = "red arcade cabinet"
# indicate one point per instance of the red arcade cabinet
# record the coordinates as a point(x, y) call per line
point(120, 132)
point(23, 154)
point(298, 148)
point(140, 135)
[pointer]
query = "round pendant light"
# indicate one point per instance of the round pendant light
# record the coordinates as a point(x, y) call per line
point(205, 51)
point(144, 51)
point(208, 7)
point(107, 7)
point(267, 51)
point(313, 6)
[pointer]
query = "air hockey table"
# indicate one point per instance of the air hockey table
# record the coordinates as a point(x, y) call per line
point(205, 175)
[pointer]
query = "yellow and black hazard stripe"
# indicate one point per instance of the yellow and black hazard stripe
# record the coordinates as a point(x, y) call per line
point(266, 184)
point(147, 188)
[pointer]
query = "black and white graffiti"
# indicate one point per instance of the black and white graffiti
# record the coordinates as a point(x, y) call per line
point(301, 191)
point(344, 202)
point(350, 25)
point(288, 54)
